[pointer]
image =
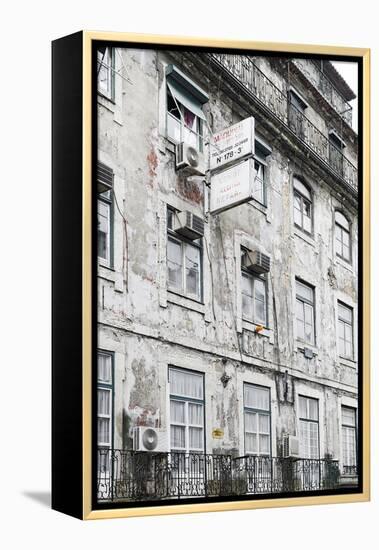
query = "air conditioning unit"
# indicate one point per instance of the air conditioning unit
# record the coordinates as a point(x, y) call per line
point(150, 440)
point(188, 225)
point(291, 446)
point(190, 160)
point(253, 260)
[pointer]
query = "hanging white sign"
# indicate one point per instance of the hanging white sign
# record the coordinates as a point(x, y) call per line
point(232, 186)
point(232, 144)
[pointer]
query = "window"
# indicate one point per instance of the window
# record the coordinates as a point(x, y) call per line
point(105, 71)
point(297, 120)
point(336, 147)
point(345, 331)
point(257, 417)
point(254, 302)
point(104, 408)
point(186, 411)
point(302, 203)
point(349, 440)
point(184, 263)
point(305, 315)
point(342, 236)
point(185, 117)
point(309, 427)
point(104, 219)
point(259, 190)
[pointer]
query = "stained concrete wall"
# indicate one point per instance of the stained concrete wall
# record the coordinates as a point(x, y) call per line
point(150, 328)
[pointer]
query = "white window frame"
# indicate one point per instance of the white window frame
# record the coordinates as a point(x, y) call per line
point(342, 321)
point(258, 413)
point(304, 193)
point(307, 420)
point(252, 279)
point(305, 302)
point(107, 386)
point(184, 243)
point(187, 400)
point(351, 427)
point(101, 203)
point(342, 226)
point(106, 61)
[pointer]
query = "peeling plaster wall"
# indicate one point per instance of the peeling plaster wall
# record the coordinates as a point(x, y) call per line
point(149, 328)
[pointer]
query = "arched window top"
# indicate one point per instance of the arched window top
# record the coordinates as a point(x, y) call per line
point(303, 189)
point(342, 220)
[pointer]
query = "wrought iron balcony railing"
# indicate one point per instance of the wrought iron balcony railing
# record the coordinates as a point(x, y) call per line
point(129, 475)
point(245, 72)
point(349, 470)
point(320, 81)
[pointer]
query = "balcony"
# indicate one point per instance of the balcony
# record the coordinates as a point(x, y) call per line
point(250, 78)
point(135, 476)
point(321, 82)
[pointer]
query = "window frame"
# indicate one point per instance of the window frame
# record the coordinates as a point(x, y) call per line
point(339, 227)
point(108, 93)
point(257, 412)
point(103, 199)
point(312, 304)
point(184, 242)
point(310, 421)
point(350, 426)
point(107, 386)
point(303, 199)
point(345, 323)
point(187, 401)
point(253, 278)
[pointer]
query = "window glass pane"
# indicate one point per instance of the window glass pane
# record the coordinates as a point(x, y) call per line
point(260, 301)
point(177, 437)
point(103, 432)
point(300, 330)
point(302, 189)
point(342, 221)
point(196, 440)
point(192, 270)
point(345, 238)
point(195, 414)
point(173, 128)
point(104, 58)
point(303, 291)
point(264, 444)
point(186, 384)
point(313, 409)
point(251, 443)
point(251, 422)
point(297, 211)
point(174, 263)
point(264, 423)
point(104, 368)
point(256, 397)
point(348, 416)
point(103, 401)
point(103, 223)
point(345, 313)
point(177, 412)
point(247, 296)
point(346, 252)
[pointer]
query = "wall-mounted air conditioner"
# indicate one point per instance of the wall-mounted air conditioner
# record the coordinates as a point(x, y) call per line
point(188, 225)
point(190, 160)
point(150, 440)
point(253, 260)
point(291, 446)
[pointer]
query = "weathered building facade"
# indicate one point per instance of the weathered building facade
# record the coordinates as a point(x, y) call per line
point(219, 358)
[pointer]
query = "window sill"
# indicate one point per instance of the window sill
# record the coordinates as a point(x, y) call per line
point(300, 347)
point(184, 301)
point(105, 272)
point(251, 327)
point(345, 264)
point(106, 101)
point(258, 206)
point(345, 362)
point(304, 236)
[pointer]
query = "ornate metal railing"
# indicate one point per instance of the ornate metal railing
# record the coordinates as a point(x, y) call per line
point(349, 470)
point(128, 475)
point(249, 76)
point(320, 81)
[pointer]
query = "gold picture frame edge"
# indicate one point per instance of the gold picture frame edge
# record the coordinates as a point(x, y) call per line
point(88, 38)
